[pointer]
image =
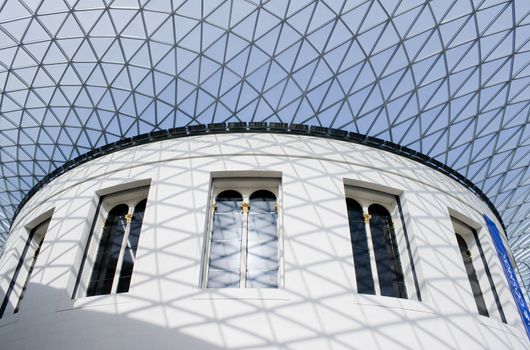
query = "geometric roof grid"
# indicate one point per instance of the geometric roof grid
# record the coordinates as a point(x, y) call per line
point(448, 78)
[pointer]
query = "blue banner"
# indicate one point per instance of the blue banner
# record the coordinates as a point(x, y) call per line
point(510, 274)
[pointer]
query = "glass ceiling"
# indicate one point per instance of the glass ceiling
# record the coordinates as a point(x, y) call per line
point(450, 79)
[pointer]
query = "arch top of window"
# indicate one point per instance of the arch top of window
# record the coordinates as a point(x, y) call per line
point(354, 206)
point(142, 203)
point(353, 203)
point(263, 201)
point(369, 205)
point(229, 195)
point(130, 198)
point(263, 195)
point(378, 209)
point(245, 186)
point(366, 197)
point(228, 201)
point(120, 209)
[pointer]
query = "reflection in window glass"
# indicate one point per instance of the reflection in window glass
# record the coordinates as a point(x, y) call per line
point(244, 241)
point(472, 276)
point(225, 258)
point(361, 254)
point(114, 263)
point(108, 252)
point(262, 261)
point(389, 271)
point(130, 248)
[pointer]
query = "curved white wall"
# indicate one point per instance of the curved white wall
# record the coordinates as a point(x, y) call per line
point(317, 307)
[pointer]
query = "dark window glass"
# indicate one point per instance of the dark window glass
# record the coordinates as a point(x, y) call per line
point(389, 271)
point(108, 252)
point(359, 243)
point(130, 247)
point(262, 254)
point(225, 248)
point(472, 276)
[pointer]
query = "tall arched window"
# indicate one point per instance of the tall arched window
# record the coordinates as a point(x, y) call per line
point(376, 253)
point(243, 247)
point(361, 253)
point(111, 250)
point(225, 250)
point(262, 251)
point(472, 276)
point(389, 271)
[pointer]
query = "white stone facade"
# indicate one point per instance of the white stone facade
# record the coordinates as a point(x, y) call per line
point(316, 305)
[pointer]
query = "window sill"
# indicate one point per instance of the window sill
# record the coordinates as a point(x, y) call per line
point(7, 320)
point(391, 302)
point(93, 301)
point(241, 293)
point(492, 323)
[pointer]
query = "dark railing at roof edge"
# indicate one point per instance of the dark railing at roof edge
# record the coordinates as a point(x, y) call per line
point(260, 127)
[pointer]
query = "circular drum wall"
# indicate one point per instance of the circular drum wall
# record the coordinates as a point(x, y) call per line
point(309, 294)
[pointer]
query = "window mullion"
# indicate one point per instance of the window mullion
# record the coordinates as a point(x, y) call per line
point(117, 273)
point(371, 251)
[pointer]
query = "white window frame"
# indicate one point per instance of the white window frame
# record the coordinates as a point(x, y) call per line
point(367, 197)
point(246, 186)
point(131, 198)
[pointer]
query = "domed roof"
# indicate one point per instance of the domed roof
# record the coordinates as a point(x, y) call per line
point(450, 79)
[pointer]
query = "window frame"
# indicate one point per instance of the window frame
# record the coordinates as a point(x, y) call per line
point(130, 197)
point(489, 290)
point(366, 198)
point(245, 186)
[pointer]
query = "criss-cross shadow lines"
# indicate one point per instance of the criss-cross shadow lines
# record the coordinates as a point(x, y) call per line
point(316, 307)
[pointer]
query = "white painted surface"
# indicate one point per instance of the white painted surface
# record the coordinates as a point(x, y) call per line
point(317, 308)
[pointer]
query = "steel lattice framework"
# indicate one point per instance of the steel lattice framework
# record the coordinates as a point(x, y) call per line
point(448, 78)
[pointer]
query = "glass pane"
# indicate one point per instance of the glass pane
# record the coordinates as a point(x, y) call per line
point(472, 276)
point(130, 249)
point(223, 279)
point(262, 279)
point(262, 254)
point(390, 273)
point(359, 243)
point(108, 252)
point(263, 201)
point(261, 227)
point(225, 246)
point(227, 225)
point(228, 201)
point(225, 255)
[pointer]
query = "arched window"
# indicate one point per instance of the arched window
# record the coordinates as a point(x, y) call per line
point(361, 253)
point(376, 252)
point(262, 251)
point(225, 258)
point(114, 262)
point(389, 271)
point(109, 257)
point(243, 247)
point(472, 276)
